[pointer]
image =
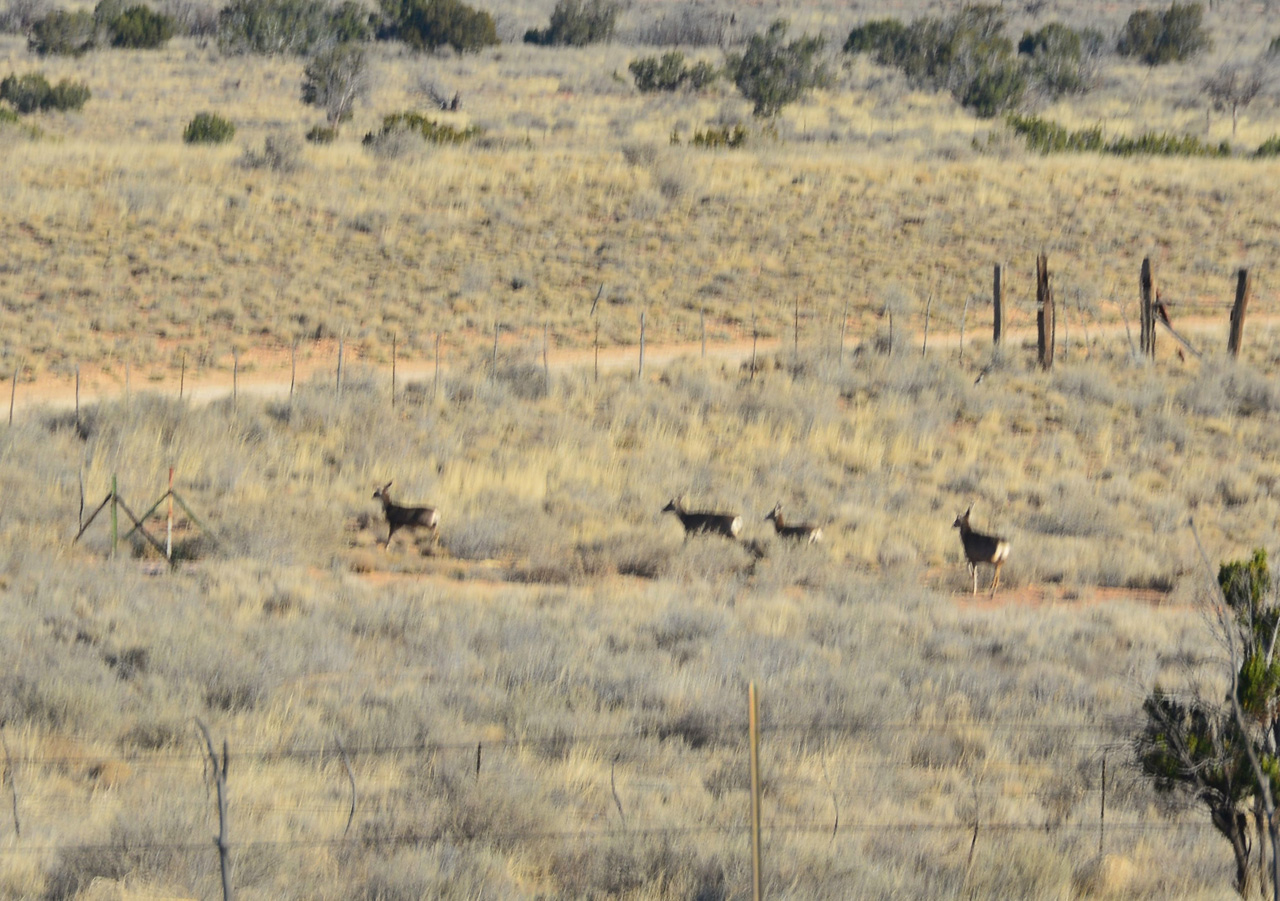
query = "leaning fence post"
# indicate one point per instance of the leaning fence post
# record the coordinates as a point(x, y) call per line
point(1148, 311)
point(220, 781)
point(1236, 336)
point(168, 539)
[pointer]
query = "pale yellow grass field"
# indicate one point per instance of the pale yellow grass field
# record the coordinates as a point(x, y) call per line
point(599, 662)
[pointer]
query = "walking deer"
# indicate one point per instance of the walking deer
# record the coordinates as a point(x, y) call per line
point(399, 517)
point(726, 524)
point(805, 532)
point(979, 548)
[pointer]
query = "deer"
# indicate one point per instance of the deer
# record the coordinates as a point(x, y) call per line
point(399, 517)
point(726, 524)
point(979, 548)
point(805, 532)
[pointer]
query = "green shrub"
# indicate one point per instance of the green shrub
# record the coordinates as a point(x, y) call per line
point(431, 24)
point(966, 54)
point(28, 93)
point(577, 24)
point(420, 126)
point(32, 93)
point(64, 34)
point(351, 22)
point(654, 74)
point(271, 27)
point(771, 74)
point(1049, 137)
point(1269, 147)
point(138, 28)
point(208, 128)
point(1157, 38)
point(1060, 58)
point(322, 134)
point(8, 116)
point(280, 153)
point(875, 36)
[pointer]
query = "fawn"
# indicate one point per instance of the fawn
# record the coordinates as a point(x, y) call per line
point(800, 531)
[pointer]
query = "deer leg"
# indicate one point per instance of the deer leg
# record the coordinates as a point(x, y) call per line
point(973, 570)
point(995, 580)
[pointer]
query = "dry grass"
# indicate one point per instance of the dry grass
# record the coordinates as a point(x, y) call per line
point(563, 627)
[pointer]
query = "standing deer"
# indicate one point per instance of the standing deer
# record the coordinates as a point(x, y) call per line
point(726, 524)
point(406, 517)
point(979, 548)
point(805, 532)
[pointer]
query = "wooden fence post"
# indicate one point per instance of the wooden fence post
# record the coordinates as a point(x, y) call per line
point(340, 349)
point(182, 377)
point(435, 381)
point(235, 379)
point(1147, 341)
point(642, 321)
point(1044, 312)
point(1102, 808)
point(220, 781)
point(1236, 336)
point(115, 516)
point(997, 302)
point(753, 731)
point(13, 389)
point(393, 370)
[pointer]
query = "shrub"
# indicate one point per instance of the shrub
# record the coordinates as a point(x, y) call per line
point(350, 22)
point(1270, 147)
point(32, 93)
point(724, 136)
point(280, 153)
point(875, 36)
point(966, 54)
point(17, 16)
point(63, 33)
point(771, 74)
point(1156, 38)
point(1049, 137)
point(417, 124)
point(8, 117)
point(577, 24)
point(271, 27)
point(208, 128)
point(654, 74)
point(322, 134)
point(138, 28)
point(334, 79)
point(431, 24)
point(1061, 59)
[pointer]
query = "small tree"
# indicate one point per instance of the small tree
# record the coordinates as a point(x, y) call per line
point(1223, 754)
point(334, 80)
point(1233, 87)
point(1061, 59)
point(772, 74)
point(575, 23)
point(271, 27)
point(32, 93)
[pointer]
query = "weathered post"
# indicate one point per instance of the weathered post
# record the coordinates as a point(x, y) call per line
point(997, 302)
point(115, 516)
point(642, 320)
point(219, 767)
point(1236, 336)
point(1147, 340)
point(393, 370)
point(1044, 312)
point(753, 731)
point(182, 376)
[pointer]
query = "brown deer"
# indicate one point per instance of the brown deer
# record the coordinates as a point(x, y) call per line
point(979, 548)
point(805, 532)
point(406, 517)
point(726, 524)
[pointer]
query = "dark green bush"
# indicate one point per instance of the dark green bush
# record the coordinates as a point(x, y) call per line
point(322, 134)
point(966, 54)
point(1157, 38)
point(659, 74)
point(351, 22)
point(431, 24)
point(577, 24)
point(32, 93)
point(875, 36)
point(772, 74)
point(138, 28)
point(63, 33)
point(419, 125)
point(1269, 147)
point(208, 128)
point(1061, 59)
point(8, 116)
point(271, 27)
point(28, 93)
